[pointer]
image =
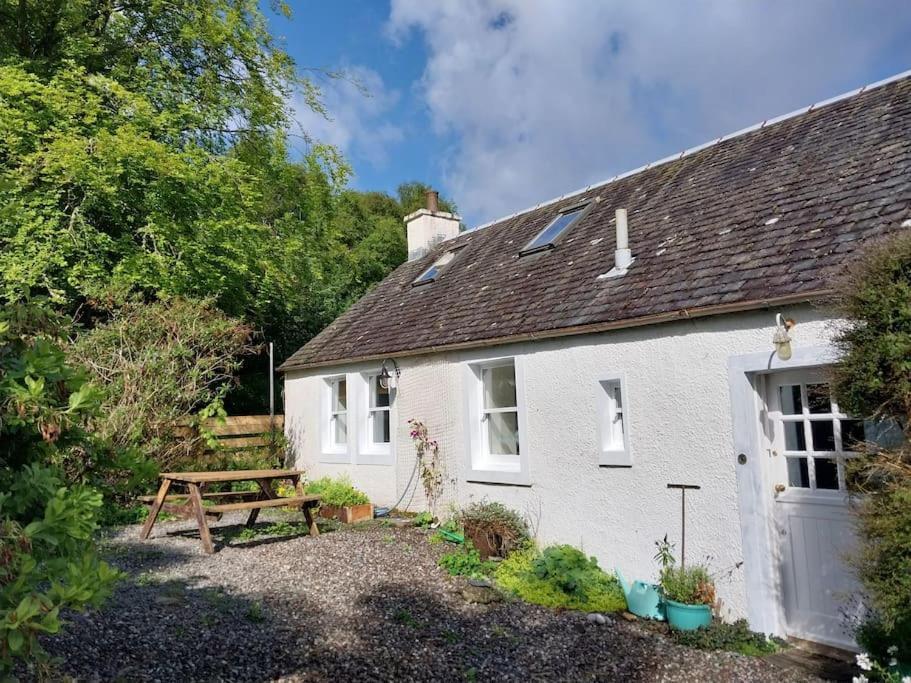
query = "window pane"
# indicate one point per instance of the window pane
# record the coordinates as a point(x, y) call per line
point(341, 395)
point(500, 386)
point(852, 434)
point(552, 231)
point(790, 400)
point(798, 473)
point(341, 428)
point(794, 437)
point(503, 433)
point(818, 398)
point(380, 426)
point(826, 471)
point(823, 432)
point(380, 395)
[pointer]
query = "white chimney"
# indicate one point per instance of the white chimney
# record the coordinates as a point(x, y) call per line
point(428, 227)
point(623, 257)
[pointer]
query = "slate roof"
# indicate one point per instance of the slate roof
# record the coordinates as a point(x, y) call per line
point(765, 216)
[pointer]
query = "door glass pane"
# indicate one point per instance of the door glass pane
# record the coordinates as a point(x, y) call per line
point(500, 386)
point(790, 399)
point(380, 395)
point(818, 398)
point(794, 437)
point(823, 432)
point(852, 434)
point(503, 433)
point(826, 471)
point(798, 473)
point(381, 426)
point(341, 395)
point(341, 428)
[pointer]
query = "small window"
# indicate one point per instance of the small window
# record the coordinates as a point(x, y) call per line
point(549, 235)
point(614, 424)
point(433, 272)
point(378, 412)
point(499, 411)
point(338, 412)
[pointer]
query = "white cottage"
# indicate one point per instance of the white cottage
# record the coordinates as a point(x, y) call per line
point(576, 358)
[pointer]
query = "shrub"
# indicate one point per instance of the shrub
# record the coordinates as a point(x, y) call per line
point(337, 492)
point(494, 528)
point(736, 637)
point(466, 561)
point(48, 561)
point(542, 583)
point(872, 380)
point(690, 585)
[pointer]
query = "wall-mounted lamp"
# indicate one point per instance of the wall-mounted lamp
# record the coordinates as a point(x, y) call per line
point(389, 380)
point(781, 340)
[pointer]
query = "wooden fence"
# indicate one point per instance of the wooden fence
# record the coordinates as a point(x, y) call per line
point(245, 431)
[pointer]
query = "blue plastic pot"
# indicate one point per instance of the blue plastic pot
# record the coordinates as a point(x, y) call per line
point(687, 617)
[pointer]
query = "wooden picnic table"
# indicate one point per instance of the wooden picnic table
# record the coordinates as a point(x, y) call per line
point(254, 501)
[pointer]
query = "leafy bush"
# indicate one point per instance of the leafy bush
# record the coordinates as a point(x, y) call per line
point(872, 380)
point(163, 367)
point(494, 527)
point(423, 519)
point(690, 585)
point(48, 560)
point(736, 637)
point(878, 639)
point(466, 561)
point(543, 583)
point(338, 492)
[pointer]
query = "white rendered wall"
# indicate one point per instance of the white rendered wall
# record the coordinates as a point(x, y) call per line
point(679, 412)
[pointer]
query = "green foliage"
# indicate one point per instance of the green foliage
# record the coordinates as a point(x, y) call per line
point(466, 561)
point(736, 637)
point(423, 519)
point(48, 562)
point(542, 583)
point(338, 492)
point(691, 585)
point(873, 380)
point(157, 364)
point(502, 529)
point(878, 639)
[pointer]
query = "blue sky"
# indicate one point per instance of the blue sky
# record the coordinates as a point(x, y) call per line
point(502, 104)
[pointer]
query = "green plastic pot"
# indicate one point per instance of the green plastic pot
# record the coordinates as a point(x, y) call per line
point(687, 617)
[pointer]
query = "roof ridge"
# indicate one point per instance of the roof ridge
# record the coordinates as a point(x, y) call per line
point(698, 148)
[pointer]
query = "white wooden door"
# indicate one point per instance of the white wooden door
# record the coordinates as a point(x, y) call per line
point(810, 440)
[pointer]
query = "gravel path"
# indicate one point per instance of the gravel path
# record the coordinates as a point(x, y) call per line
point(358, 604)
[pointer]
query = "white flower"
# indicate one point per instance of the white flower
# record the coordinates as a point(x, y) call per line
point(863, 661)
point(906, 679)
point(859, 679)
point(893, 662)
point(892, 649)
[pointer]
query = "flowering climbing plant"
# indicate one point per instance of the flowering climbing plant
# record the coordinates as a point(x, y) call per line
point(888, 672)
point(429, 462)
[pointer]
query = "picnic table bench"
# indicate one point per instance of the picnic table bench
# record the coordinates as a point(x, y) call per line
point(190, 505)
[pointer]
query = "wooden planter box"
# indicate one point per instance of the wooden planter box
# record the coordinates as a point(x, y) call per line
point(349, 514)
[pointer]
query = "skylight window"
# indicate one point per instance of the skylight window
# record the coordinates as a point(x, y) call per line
point(550, 234)
point(433, 272)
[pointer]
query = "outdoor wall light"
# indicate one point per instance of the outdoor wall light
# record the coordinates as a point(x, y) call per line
point(781, 339)
point(389, 380)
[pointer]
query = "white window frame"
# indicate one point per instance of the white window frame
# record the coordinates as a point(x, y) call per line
point(369, 451)
point(613, 428)
point(481, 465)
point(332, 451)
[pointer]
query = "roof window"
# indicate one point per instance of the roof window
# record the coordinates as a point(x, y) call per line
point(559, 225)
point(434, 271)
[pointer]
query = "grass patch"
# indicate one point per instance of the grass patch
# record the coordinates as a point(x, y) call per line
point(736, 637)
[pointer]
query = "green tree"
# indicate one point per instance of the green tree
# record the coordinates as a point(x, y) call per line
point(873, 379)
point(47, 559)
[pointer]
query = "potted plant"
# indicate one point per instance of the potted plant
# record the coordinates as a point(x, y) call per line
point(688, 592)
point(340, 500)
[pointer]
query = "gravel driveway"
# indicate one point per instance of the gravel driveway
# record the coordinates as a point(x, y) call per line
point(358, 604)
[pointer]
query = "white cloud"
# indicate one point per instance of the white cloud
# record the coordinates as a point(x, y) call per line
point(357, 106)
point(545, 97)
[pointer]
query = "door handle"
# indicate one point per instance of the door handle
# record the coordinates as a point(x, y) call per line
point(779, 488)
